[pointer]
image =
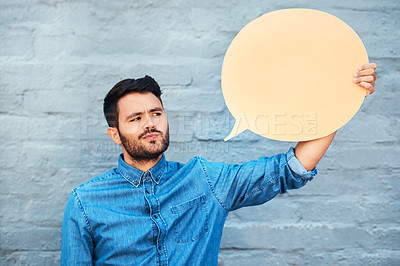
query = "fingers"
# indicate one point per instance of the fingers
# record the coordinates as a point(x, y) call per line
point(366, 72)
point(366, 77)
point(369, 91)
point(369, 87)
point(369, 79)
point(371, 65)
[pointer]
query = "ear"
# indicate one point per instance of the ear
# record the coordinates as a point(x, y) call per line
point(114, 135)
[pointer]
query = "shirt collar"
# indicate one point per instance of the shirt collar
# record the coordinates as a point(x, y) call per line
point(135, 176)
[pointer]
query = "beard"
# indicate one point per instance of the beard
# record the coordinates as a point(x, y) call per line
point(140, 150)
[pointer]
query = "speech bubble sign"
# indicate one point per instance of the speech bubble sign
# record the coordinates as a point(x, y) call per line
point(288, 75)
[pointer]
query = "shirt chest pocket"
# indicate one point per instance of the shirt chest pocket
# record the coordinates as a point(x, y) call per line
point(191, 220)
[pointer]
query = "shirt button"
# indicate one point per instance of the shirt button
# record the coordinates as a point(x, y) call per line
point(155, 216)
point(147, 191)
point(136, 182)
point(159, 247)
point(157, 180)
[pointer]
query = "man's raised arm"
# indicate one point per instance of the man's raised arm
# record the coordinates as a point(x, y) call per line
point(310, 152)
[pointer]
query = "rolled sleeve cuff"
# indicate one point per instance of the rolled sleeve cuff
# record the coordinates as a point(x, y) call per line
point(298, 168)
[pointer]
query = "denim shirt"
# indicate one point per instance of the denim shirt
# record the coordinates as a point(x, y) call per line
point(172, 214)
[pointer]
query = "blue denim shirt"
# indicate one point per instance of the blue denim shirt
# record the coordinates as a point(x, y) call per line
point(173, 214)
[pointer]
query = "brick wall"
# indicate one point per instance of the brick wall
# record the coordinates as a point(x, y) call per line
point(59, 59)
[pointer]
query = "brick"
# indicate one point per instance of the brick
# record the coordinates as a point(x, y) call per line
point(352, 155)
point(10, 102)
point(280, 209)
point(35, 239)
point(351, 210)
point(46, 101)
point(21, 35)
point(15, 79)
point(213, 126)
point(52, 156)
point(29, 12)
point(34, 258)
point(27, 209)
point(180, 126)
point(294, 236)
point(371, 28)
point(257, 257)
point(192, 100)
point(330, 183)
point(220, 19)
point(386, 236)
point(359, 128)
point(353, 256)
point(388, 73)
point(9, 156)
point(89, 127)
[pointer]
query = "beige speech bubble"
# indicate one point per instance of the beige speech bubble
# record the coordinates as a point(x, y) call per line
point(288, 75)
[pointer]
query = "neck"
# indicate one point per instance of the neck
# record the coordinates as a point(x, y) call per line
point(143, 165)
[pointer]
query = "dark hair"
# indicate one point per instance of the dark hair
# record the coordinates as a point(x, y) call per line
point(124, 87)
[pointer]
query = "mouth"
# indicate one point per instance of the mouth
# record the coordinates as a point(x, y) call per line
point(151, 136)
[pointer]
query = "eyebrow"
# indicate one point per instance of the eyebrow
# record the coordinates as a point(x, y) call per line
point(156, 109)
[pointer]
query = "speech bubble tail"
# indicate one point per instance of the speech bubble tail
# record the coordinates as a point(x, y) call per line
point(237, 129)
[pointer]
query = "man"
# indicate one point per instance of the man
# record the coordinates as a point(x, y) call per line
point(150, 211)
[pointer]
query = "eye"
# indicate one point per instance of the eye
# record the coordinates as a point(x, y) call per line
point(135, 119)
point(157, 114)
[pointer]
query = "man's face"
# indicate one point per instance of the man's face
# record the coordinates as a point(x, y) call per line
point(143, 126)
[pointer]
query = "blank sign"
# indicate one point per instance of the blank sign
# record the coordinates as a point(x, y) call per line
point(288, 75)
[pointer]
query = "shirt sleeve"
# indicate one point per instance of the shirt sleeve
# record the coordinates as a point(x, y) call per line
point(255, 182)
point(77, 244)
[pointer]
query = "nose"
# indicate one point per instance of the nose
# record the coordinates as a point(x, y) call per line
point(149, 123)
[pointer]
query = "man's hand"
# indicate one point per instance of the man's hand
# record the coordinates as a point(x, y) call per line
point(366, 77)
point(310, 152)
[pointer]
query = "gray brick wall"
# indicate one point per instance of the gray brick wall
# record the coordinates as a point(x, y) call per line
point(58, 60)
